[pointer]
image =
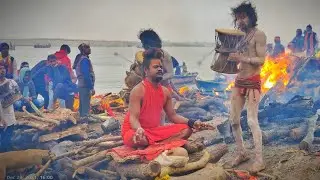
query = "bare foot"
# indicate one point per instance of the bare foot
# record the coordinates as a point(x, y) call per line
point(257, 167)
point(242, 157)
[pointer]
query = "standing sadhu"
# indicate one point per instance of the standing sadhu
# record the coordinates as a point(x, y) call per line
point(248, 83)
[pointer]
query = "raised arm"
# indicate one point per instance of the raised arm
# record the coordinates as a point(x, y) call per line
point(135, 100)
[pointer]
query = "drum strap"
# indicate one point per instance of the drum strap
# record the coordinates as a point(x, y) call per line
point(243, 43)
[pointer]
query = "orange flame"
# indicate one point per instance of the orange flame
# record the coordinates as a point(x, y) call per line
point(231, 85)
point(274, 70)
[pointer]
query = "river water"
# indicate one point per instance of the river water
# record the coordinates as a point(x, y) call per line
point(110, 70)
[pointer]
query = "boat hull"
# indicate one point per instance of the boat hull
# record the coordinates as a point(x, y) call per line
point(180, 80)
point(209, 86)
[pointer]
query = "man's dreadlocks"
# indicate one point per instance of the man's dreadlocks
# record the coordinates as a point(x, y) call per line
point(150, 39)
point(248, 9)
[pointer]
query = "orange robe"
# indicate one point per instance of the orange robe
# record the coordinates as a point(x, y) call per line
point(150, 118)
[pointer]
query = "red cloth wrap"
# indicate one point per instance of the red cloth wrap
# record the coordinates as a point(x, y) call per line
point(150, 118)
point(243, 84)
point(149, 153)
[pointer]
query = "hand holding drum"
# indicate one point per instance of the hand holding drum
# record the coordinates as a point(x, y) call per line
point(227, 58)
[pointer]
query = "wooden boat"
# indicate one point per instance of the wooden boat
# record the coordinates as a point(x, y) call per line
point(210, 86)
point(42, 45)
point(184, 79)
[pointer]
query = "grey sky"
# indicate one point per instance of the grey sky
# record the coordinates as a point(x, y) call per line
point(174, 20)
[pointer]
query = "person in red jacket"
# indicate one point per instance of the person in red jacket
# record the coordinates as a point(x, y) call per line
point(62, 57)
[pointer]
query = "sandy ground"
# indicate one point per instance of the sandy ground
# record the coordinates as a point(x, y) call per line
point(282, 161)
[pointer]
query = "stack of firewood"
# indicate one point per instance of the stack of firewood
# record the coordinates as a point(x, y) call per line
point(204, 108)
point(294, 121)
point(36, 130)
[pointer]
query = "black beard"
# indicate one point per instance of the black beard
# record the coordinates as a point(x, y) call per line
point(157, 79)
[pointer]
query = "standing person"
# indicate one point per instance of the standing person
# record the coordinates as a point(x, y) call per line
point(86, 80)
point(278, 47)
point(8, 62)
point(251, 56)
point(310, 41)
point(78, 57)
point(63, 59)
point(298, 41)
point(9, 93)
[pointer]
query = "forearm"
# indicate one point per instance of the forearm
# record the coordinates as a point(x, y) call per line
point(177, 119)
point(134, 122)
point(254, 60)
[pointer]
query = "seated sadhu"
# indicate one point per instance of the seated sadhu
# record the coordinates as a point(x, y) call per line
point(141, 126)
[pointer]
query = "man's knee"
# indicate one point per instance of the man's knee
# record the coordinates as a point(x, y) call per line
point(253, 123)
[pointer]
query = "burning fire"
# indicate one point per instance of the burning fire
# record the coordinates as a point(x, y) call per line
point(230, 86)
point(274, 70)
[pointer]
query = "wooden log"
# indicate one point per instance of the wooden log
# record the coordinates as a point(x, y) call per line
point(212, 141)
point(188, 167)
point(35, 124)
point(42, 119)
point(211, 171)
point(112, 173)
point(99, 163)
point(141, 171)
point(195, 145)
point(306, 143)
point(100, 140)
point(62, 115)
point(80, 130)
point(269, 135)
point(110, 144)
point(93, 174)
point(284, 121)
point(298, 133)
point(216, 152)
point(94, 158)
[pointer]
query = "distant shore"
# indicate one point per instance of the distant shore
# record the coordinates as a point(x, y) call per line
point(102, 43)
